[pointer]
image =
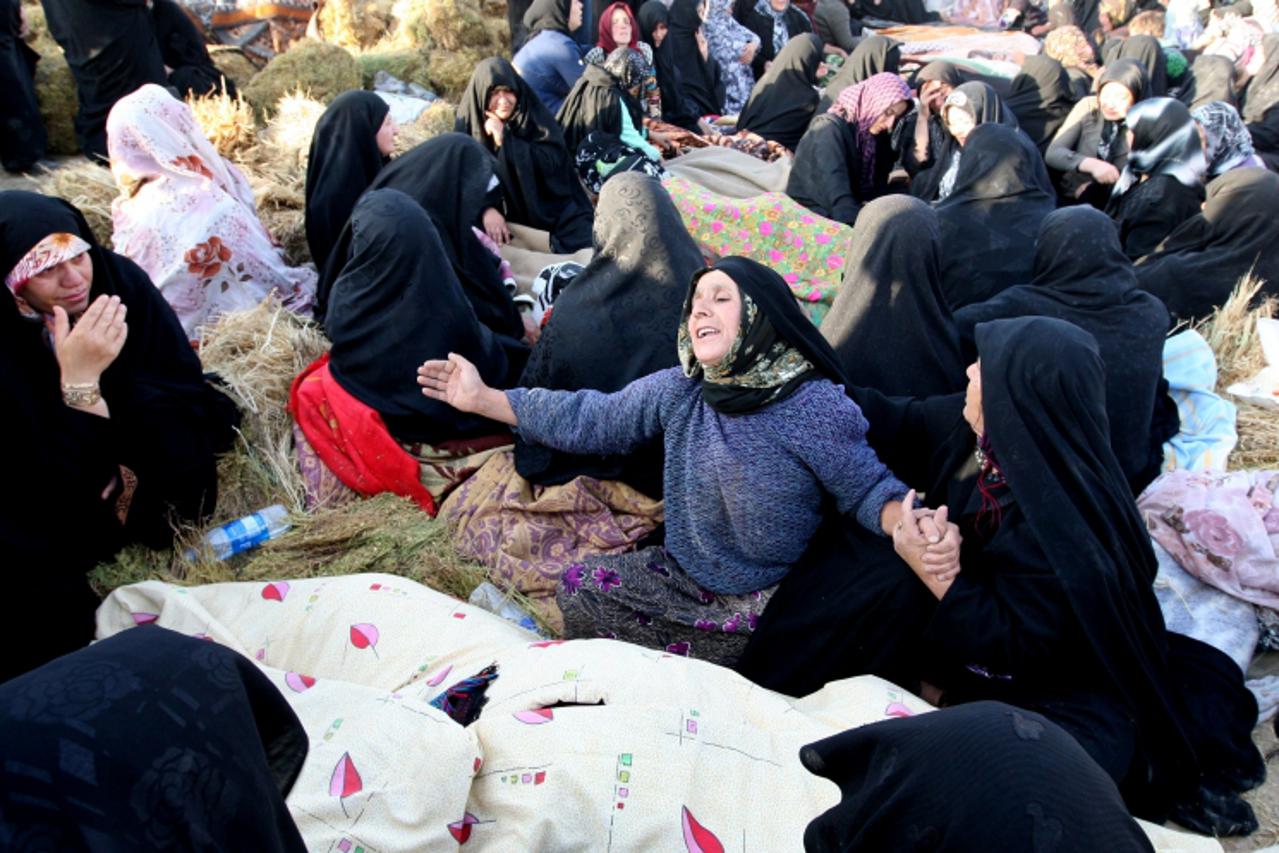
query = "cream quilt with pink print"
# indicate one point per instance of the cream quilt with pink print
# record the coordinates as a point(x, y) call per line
point(590, 745)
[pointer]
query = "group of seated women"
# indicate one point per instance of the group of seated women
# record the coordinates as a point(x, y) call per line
point(935, 485)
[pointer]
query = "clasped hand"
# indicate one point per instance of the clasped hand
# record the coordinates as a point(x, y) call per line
point(928, 542)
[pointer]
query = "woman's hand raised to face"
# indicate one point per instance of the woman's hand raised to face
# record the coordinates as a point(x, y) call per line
point(85, 351)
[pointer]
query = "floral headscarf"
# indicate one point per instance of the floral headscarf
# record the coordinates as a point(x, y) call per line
point(187, 216)
point(860, 105)
point(1069, 46)
point(759, 367)
point(1229, 142)
point(48, 253)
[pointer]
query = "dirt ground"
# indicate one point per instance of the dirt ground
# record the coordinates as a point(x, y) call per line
point(1265, 800)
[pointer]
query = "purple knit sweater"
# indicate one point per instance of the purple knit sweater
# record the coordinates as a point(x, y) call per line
point(743, 492)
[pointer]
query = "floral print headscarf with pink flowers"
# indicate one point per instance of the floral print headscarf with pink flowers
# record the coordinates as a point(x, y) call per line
point(187, 216)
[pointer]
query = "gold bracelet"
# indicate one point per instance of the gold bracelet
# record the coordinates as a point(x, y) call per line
point(84, 395)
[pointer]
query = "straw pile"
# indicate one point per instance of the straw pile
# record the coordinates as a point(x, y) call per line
point(227, 122)
point(322, 70)
point(436, 119)
point(89, 187)
point(354, 24)
point(233, 63)
point(1232, 333)
point(55, 87)
point(412, 65)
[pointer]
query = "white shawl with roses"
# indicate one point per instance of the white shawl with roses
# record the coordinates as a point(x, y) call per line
point(186, 216)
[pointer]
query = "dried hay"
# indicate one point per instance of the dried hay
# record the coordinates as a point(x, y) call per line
point(412, 65)
point(257, 353)
point(286, 141)
point(442, 24)
point(38, 35)
point(234, 64)
point(1231, 331)
point(354, 24)
point(227, 122)
point(323, 71)
point(56, 93)
point(385, 533)
point(89, 187)
point(451, 71)
point(436, 119)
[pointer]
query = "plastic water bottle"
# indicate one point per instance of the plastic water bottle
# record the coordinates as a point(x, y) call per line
point(245, 533)
point(490, 598)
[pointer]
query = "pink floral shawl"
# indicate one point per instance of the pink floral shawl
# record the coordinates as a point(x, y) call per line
point(1221, 528)
point(187, 216)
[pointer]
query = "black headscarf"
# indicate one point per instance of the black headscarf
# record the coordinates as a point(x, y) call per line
point(1041, 99)
point(1211, 78)
point(981, 776)
point(452, 178)
point(873, 55)
point(547, 15)
point(167, 425)
point(701, 80)
point(938, 70)
point(112, 50)
point(182, 47)
point(782, 103)
point(940, 143)
point(1083, 277)
point(539, 184)
point(889, 325)
point(615, 323)
point(1146, 50)
point(984, 104)
point(23, 140)
point(344, 160)
point(778, 325)
point(1199, 265)
point(1131, 74)
point(596, 102)
point(395, 304)
point(167, 742)
point(990, 221)
point(676, 109)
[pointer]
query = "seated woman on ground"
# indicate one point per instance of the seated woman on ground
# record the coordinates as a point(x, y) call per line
point(452, 178)
point(1161, 185)
point(968, 106)
point(534, 164)
point(1053, 611)
point(1069, 46)
point(920, 139)
point(775, 23)
point(619, 28)
point(1091, 148)
point(396, 302)
point(114, 428)
point(782, 103)
point(845, 157)
point(186, 215)
point(604, 124)
point(757, 436)
point(550, 60)
point(734, 48)
point(353, 140)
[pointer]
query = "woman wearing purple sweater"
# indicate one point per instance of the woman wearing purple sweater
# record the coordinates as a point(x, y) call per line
point(758, 434)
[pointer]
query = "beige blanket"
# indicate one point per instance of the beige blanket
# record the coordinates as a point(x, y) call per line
point(583, 745)
point(731, 173)
point(529, 252)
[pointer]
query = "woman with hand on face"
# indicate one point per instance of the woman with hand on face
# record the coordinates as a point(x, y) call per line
point(758, 438)
point(967, 107)
point(550, 60)
point(534, 165)
point(97, 375)
point(1091, 147)
point(921, 138)
point(845, 157)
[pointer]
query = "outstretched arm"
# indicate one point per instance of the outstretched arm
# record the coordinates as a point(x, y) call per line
point(458, 383)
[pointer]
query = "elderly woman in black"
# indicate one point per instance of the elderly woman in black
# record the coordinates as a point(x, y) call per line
point(534, 164)
point(113, 426)
point(1053, 610)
